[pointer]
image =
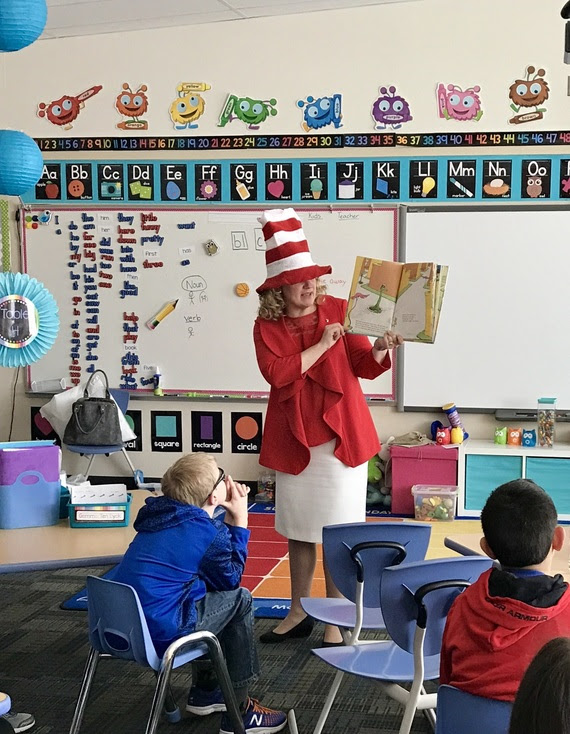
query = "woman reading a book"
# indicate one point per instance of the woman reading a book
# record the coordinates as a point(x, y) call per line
point(318, 433)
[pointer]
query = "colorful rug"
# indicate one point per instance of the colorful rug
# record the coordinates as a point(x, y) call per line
point(266, 572)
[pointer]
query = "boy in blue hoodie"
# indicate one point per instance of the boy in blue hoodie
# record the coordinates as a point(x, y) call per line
point(186, 567)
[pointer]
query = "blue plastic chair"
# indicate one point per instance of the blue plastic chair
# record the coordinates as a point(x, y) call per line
point(415, 599)
point(121, 397)
point(459, 712)
point(356, 554)
point(118, 628)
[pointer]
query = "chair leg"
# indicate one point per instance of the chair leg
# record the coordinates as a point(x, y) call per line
point(88, 675)
point(171, 709)
point(159, 696)
point(88, 470)
point(219, 663)
point(130, 463)
point(329, 702)
point(410, 709)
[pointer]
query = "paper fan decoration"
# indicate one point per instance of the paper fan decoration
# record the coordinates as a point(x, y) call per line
point(29, 320)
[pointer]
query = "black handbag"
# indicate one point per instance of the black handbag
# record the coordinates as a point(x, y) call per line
point(94, 421)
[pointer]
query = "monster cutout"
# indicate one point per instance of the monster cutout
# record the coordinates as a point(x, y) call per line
point(321, 112)
point(529, 437)
point(64, 111)
point(250, 111)
point(454, 103)
point(443, 436)
point(514, 436)
point(501, 436)
point(390, 109)
point(529, 93)
point(189, 106)
point(132, 105)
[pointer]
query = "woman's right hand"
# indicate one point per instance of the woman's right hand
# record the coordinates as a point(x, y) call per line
point(331, 334)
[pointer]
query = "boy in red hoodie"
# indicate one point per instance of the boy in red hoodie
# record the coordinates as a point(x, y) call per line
point(498, 624)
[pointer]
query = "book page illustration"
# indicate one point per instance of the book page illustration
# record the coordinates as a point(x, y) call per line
point(373, 295)
point(414, 314)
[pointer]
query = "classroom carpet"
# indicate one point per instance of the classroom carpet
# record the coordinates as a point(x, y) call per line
point(266, 572)
point(44, 649)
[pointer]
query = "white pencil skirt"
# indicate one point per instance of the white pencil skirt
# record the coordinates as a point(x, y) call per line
point(327, 492)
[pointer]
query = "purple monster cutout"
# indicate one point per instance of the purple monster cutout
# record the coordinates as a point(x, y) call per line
point(390, 111)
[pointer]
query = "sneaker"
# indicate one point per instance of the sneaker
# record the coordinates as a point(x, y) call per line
point(19, 722)
point(202, 702)
point(256, 719)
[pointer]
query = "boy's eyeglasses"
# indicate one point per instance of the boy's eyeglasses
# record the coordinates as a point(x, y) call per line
point(219, 479)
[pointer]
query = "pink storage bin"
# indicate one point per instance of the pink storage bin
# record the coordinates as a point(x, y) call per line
point(429, 464)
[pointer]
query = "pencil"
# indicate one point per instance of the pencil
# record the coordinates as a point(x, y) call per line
point(162, 314)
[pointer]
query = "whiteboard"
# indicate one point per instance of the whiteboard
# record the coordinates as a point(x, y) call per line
point(206, 344)
point(503, 338)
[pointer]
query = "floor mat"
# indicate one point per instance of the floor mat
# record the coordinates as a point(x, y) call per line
point(266, 572)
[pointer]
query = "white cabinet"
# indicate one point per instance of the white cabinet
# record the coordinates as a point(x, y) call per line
point(484, 465)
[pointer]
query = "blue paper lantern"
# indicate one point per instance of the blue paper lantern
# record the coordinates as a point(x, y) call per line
point(21, 23)
point(21, 162)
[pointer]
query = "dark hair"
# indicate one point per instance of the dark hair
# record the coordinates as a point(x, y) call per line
point(519, 519)
point(542, 701)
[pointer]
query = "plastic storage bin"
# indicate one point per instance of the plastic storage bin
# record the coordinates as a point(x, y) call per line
point(411, 465)
point(29, 486)
point(433, 503)
point(546, 421)
point(113, 515)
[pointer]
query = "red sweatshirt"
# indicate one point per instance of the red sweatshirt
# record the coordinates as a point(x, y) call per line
point(496, 627)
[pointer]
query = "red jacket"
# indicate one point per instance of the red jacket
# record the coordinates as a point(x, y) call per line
point(490, 640)
point(284, 447)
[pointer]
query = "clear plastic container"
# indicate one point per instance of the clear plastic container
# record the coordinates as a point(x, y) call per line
point(433, 503)
point(546, 421)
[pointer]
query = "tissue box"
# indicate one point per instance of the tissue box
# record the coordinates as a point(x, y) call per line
point(104, 515)
point(29, 486)
point(433, 503)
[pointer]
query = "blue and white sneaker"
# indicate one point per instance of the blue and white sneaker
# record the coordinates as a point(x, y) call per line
point(202, 702)
point(257, 719)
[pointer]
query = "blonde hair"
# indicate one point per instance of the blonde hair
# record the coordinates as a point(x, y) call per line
point(272, 302)
point(191, 479)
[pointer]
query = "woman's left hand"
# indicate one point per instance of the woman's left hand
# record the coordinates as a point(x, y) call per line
point(390, 340)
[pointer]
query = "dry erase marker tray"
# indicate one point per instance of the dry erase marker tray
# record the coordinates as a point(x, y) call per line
point(109, 515)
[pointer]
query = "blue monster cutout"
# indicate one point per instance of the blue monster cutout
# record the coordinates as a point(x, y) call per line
point(320, 112)
point(390, 109)
point(529, 437)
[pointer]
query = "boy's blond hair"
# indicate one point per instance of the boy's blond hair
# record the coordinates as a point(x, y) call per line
point(191, 479)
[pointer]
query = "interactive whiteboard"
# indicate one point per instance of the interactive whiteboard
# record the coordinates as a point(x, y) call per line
point(503, 338)
point(112, 270)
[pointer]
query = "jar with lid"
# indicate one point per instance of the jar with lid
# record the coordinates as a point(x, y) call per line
point(546, 419)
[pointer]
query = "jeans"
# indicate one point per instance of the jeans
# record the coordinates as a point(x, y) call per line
point(229, 615)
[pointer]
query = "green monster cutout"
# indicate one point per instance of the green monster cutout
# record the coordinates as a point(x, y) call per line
point(251, 111)
point(501, 435)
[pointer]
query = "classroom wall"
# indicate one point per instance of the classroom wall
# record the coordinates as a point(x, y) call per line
point(413, 45)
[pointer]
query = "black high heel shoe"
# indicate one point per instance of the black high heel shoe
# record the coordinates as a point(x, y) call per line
point(303, 629)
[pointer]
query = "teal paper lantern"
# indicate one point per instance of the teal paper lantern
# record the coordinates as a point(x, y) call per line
point(21, 162)
point(21, 23)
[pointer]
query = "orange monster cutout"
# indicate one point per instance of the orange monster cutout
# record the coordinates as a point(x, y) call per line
point(514, 436)
point(132, 105)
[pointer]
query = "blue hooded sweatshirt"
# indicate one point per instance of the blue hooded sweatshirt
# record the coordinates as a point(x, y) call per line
point(178, 554)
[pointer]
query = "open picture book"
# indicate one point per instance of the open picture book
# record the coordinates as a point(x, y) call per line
point(392, 296)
